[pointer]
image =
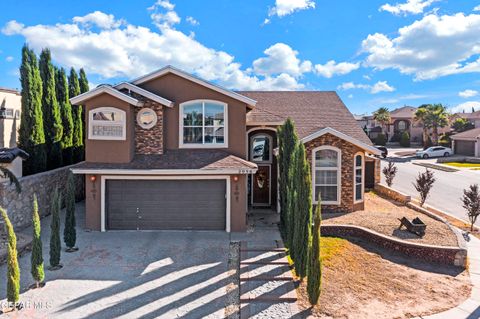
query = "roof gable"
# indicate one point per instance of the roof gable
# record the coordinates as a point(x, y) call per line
point(144, 93)
point(169, 69)
point(104, 89)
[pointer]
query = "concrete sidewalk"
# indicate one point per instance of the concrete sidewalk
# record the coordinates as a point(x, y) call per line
point(470, 308)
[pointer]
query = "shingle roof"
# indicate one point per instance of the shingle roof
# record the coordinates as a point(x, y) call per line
point(177, 159)
point(473, 133)
point(8, 155)
point(404, 112)
point(310, 110)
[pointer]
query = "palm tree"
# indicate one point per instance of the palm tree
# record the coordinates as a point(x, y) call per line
point(421, 117)
point(382, 116)
point(437, 116)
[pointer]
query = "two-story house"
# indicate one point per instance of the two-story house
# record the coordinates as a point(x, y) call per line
point(169, 150)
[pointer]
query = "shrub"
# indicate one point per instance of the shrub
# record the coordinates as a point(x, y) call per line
point(314, 277)
point(423, 184)
point(389, 172)
point(36, 259)
point(55, 243)
point(396, 137)
point(381, 139)
point(69, 232)
point(13, 271)
point(405, 139)
point(471, 202)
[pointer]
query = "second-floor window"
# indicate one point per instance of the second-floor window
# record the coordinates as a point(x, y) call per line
point(203, 124)
point(106, 123)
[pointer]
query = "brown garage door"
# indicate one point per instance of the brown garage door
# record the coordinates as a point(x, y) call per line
point(466, 148)
point(165, 204)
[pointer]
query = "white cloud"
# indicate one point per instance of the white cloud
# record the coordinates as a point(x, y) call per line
point(163, 4)
point(421, 48)
point(9, 58)
point(286, 7)
point(192, 21)
point(367, 77)
point(409, 7)
point(466, 107)
point(380, 86)
point(167, 19)
point(468, 93)
point(100, 19)
point(281, 58)
point(477, 8)
point(129, 51)
point(350, 96)
point(332, 68)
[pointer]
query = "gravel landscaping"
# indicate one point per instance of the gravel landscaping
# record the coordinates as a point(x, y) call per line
point(381, 215)
point(361, 281)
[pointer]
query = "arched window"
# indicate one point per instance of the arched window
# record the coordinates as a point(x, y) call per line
point(327, 174)
point(261, 148)
point(203, 123)
point(106, 123)
point(358, 177)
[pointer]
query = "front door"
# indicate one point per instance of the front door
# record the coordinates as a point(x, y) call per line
point(261, 186)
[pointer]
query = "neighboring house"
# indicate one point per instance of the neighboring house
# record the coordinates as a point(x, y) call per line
point(10, 106)
point(467, 143)
point(403, 120)
point(171, 151)
point(473, 117)
point(12, 158)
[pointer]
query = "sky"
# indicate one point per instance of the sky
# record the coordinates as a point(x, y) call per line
point(375, 53)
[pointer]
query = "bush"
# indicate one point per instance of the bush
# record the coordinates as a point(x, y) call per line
point(396, 137)
point(381, 139)
point(36, 259)
point(389, 172)
point(55, 243)
point(13, 271)
point(314, 277)
point(405, 139)
point(471, 202)
point(423, 184)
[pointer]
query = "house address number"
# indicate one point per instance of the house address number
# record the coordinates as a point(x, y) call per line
point(246, 171)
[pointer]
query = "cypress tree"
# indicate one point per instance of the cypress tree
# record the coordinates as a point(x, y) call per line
point(69, 232)
point(52, 121)
point(36, 258)
point(13, 271)
point(77, 138)
point(31, 134)
point(84, 87)
point(55, 244)
point(314, 277)
point(62, 89)
point(302, 210)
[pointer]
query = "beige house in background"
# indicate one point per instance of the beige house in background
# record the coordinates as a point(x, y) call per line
point(10, 106)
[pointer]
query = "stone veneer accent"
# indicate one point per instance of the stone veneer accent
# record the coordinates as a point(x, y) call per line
point(19, 205)
point(148, 141)
point(348, 152)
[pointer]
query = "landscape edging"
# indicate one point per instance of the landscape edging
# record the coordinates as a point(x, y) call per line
point(456, 256)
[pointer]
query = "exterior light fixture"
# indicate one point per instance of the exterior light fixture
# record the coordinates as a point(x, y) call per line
point(93, 178)
point(235, 178)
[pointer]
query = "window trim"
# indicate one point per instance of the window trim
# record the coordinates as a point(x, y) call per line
point(339, 174)
point(181, 144)
point(355, 167)
point(270, 139)
point(107, 138)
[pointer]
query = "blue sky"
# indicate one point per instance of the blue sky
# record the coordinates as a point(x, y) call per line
point(373, 53)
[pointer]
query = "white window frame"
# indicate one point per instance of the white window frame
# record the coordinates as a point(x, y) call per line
point(355, 167)
point(338, 169)
point(203, 145)
point(270, 141)
point(123, 137)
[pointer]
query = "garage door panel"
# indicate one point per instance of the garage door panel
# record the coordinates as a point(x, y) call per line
point(166, 204)
point(466, 148)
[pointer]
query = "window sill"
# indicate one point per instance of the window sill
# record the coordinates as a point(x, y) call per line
point(194, 146)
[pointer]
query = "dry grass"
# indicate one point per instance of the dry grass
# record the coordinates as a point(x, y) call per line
point(381, 215)
point(464, 165)
point(364, 282)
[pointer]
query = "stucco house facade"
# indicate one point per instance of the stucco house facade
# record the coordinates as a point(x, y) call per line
point(10, 108)
point(169, 150)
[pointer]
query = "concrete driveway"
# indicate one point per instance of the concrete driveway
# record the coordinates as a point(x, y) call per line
point(131, 275)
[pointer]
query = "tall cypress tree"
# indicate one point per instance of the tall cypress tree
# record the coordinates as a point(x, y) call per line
point(314, 277)
point(13, 270)
point(31, 134)
point(84, 87)
point(69, 232)
point(77, 138)
point(36, 259)
point(52, 121)
point(55, 243)
point(62, 89)
point(303, 210)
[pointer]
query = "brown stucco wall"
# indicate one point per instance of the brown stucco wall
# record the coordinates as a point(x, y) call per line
point(179, 90)
point(110, 151)
point(348, 152)
point(238, 214)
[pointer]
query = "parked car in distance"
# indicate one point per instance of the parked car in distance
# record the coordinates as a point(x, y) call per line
point(434, 151)
point(383, 149)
